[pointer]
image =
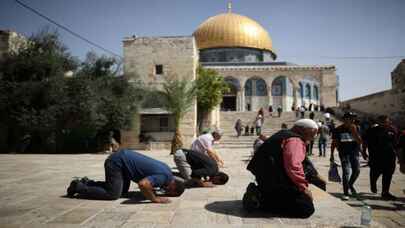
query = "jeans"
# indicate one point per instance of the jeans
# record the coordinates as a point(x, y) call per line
point(111, 189)
point(322, 146)
point(350, 169)
point(182, 165)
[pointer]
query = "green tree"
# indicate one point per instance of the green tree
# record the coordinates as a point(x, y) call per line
point(55, 113)
point(179, 96)
point(210, 89)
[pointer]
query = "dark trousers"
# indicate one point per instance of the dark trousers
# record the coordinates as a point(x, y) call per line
point(294, 204)
point(386, 168)
point(111, 189)
point(350, 169)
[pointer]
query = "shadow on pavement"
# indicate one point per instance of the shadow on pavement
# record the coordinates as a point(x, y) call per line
point(234, 208)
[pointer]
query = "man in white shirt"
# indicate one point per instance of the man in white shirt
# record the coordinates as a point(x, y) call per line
point(203, 144)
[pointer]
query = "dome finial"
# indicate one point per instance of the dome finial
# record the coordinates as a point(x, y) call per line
point(229, 6)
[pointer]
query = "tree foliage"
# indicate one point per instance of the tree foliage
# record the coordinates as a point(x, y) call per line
point(179, 97)
point(58, 114)
point(210, 89)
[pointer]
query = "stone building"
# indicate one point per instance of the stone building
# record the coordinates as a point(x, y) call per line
point(240, 50)
point(10, 41)
point(389, 102)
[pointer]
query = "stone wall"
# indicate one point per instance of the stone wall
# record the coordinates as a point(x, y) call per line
point(178, 58)
point(10, 41)
point(390, 102)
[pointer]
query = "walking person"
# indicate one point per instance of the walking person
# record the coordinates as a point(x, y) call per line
point(347, 140)
point(381, 140)
point(279, 110)
point(323, 133)
point(120, 168)
point(258, 124)
point(238, 127)
point(302, 111)
point(271, 110)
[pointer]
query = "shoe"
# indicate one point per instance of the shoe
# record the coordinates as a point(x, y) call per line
point(388, 196)
point(345, 197)
point(71, 190)
point(373, 189)
point(251, 198)
point(353, 191)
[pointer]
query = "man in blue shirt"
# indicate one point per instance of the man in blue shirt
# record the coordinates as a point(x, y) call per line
point(120, 168)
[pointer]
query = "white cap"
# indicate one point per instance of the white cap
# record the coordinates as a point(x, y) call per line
point(306, 123)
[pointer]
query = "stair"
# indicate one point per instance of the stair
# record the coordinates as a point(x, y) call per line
point(271, 125)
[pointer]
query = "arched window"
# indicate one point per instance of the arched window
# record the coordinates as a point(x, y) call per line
point(248, 88)
point(233, 84)
point(308, 91)
point(301, 89)
point(261, 88)
point(278, 86)
point(316, 93)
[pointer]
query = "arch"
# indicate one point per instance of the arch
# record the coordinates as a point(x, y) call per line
point(316, 93)
point(229, 99)
point(278, 86)
point(308, 91)
point(301, 87)
point(233, 82)
point(256, 95)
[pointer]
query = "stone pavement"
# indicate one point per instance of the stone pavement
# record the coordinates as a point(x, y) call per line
point(32, 189)
point(388, 213)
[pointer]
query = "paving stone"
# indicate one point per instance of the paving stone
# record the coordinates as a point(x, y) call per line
point(76, 216)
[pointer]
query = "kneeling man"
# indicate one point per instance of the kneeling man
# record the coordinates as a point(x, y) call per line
point(120, 168)
point(278, 167)
point(198, 169)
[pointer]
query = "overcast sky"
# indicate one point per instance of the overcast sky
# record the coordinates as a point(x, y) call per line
point(303, 31)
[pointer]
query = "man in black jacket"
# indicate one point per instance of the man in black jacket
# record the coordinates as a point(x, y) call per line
point(282, 187)
point(381, 141)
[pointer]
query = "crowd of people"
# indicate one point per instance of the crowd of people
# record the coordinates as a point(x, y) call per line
point(280, 164)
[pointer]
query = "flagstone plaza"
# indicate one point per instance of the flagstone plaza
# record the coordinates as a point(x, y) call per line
point(33, 188)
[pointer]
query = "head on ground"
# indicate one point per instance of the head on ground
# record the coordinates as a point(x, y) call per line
point(175, 188)
point(307, 128)
point(220, 178)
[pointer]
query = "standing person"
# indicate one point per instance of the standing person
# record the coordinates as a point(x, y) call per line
point(203, 144)
point(326, 115)
point(401, 152)
point(238, 127)
point(252, 130)
point(278, 167)
point(302, 111)
point(381, 141)
point(279, 110)
point(258, 124)
point(323, 138)
point(297, 112)
point(247, 128)
point(120, 168)
point(312, 115)
point(347, 140)
point(198, 169)
point(270, 110)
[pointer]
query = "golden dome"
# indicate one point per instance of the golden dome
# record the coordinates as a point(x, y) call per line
point(232, 30)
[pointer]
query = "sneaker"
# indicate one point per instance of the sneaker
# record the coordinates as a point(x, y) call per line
point(353, 191)
point(71, 190)
point(251, 198)
point(388, 196)
point(345, 197)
